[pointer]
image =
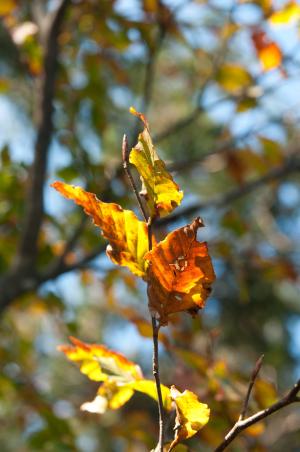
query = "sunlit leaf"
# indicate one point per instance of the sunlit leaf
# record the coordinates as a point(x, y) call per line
point(289, 13)
point(110, 395)
point(148, 387)
point(180, 273)
point(120, 377)
point(191, 415)
point(127, 235)
point(161, 193)
point(268, 52)
point(98, 362)
point(233, 78)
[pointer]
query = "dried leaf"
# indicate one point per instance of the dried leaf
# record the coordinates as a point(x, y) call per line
point(191, 415)
point(180, 273)
point(127, 235)
point(158, 187)
point(268, 52)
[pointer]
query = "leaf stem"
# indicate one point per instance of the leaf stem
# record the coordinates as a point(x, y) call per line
point(155, 325)
point(125, 158)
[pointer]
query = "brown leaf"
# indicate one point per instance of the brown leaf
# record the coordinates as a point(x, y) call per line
point(180, 273)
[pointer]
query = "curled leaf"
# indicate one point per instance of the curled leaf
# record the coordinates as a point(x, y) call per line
point(126, 234)
point(191, 415)
point(180, 273)
point(161, 193)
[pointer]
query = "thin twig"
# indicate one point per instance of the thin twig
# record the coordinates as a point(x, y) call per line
point(155, 326)
point(289, 166)
point(125, 158)
point(155, 364)
point(254, 375)
point(243, 424)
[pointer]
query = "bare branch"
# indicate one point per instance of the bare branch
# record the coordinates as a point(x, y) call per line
point(291, 165)
point(254, 375)
point(243, 424)
point(35, 203)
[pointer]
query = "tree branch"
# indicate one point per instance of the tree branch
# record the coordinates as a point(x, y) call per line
point(27, 251)
point(254, 375)
point(243, 424)
point(291, 165)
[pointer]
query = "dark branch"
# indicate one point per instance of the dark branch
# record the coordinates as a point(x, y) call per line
point(254, 375)
point(243, 424)
point(35, 202)
point(291, 165)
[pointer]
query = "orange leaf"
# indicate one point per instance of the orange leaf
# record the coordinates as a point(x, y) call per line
point(126, 233)
point(180, 273)
point(268, 52)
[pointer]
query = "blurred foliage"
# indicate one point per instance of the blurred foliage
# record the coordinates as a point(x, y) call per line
point(219, 81)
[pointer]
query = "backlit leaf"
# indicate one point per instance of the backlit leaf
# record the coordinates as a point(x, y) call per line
point(180, 273)
point(127, 235)
point(268, 52)
point(289, 13)
point(97, 362)
point(120, 377)
point(158, 187)
point(191, 415)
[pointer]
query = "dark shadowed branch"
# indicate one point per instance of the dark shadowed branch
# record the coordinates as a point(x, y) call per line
point(22, 276)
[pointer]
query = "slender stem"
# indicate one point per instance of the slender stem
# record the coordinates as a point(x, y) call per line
point(155, 364)
point(125, 158)
point(155, 325)
point(254, 375)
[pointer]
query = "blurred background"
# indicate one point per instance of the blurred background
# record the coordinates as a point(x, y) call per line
point(219, 81)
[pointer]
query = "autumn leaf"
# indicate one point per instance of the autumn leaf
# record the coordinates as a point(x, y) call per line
point(97, 360)
point(126, 234)
point(120, 377)
point(180, 273)
point(191, 415)
point(289, 13)
point(268, 52)
point(161, 193)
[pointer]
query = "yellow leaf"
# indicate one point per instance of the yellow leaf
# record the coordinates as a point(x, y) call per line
point(191, 415)
point(110, 396)
point(256, 429)
point(99, 363)
point(120, 377)
point(149, 387)
point(289, 13)
point(161, 193)
point(126, 234)
point(180, 273)
point(233, 78)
